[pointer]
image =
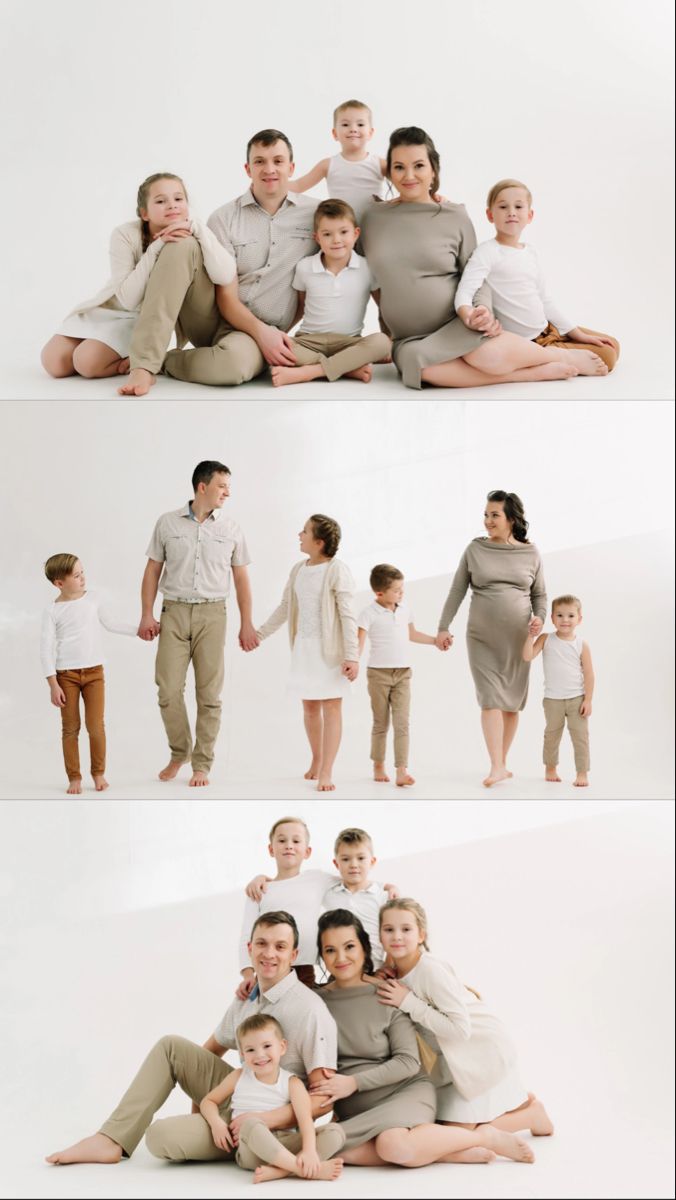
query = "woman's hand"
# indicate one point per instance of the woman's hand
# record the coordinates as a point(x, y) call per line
point(174, 232)
point(221, 1134)
point(308, 1164)
point(589, 339)
point(336, 1088)
point(443, 640)
point(392, 992)
point(535, 627)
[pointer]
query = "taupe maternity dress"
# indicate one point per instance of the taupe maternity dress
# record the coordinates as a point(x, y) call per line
point(417, 253)
point(507, 582)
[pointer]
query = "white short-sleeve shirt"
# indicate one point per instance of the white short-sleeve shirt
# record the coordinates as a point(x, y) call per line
point(387, 630)
point(334, 303)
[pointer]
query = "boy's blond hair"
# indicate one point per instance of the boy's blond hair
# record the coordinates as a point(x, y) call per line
point(353, 837)
point(500, 187)
point(351, 104)
point(256, 1023)
point(567, 600)
point(289, 821)
point(59, 566)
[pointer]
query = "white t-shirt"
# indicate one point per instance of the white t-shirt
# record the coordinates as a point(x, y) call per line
point(302, 897)
point(71, 633)
point(334, 303)
point(562, 665)
point(388, 633)
point(251, 1095)
point(366, 905)
point(355, 182)
point(520, 298)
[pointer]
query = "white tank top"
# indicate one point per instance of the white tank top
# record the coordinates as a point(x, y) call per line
point(355, 182)
point(562, 662)
point(250, 1095)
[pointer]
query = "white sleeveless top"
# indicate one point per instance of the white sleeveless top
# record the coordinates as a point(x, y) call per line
point(355, 182)
point(250, 1095)
point(562, 662)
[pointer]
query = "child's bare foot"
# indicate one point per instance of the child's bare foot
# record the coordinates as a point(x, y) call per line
point(74, 787)
point(100, 783)
point(540, 1123)
point(365, 374)
point(266, 1173)
point(283, 375)
point(96, 1149)
point(552, 775)
point(171, 770)
point(330, 1169)
point(477, 1154)
point(403, 777)
point(508, 1145)
point(379, 773)
point(313, 772)
point(123, 366)
point(587, 362)
point(554, 370)
point(199, 779)
point(138, 383)
point(510, 774)
point(581, 779)
point(325, 783)
point(496, 775)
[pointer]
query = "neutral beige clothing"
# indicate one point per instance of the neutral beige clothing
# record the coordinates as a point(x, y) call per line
point(507, 583)
point(258, 1144)
point(390, 692)
point(551, 337)
point(417, 253)
point(197, 555)
point(231, 357)
point(87, 682)
point(558, 713)
point(338, 621)
point(338, 353)
point(191, 633)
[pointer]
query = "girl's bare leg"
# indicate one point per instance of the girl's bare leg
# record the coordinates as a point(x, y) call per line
point(510, 721)
point(314, 726)
point(531, 1115)
point(332, 711)
point(509, 352)
point(57, 356)
point(439, 1143)
point(461, 374)
point(95, 360)
point(493, 726)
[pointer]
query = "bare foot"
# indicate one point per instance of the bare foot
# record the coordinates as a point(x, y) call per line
point(283, 375)
point(199, 779)
point(330, 1169)
point(266, 1173)
point(508, 1145)
point(100, 783)
point(325, 784)
point(540, 1123)
point(581, 779)
point(403, 777)
point(555, 370)
point(171, 770)
point(123, 366)
point(138, 383)
point(379, 773)
point(74, 787)
point(552, 775)
point(496, 776)
point(477, 1154)
point(365, 374)
point(587, 362)
point(313, 772)
point(96, 1149)
point(510, 774)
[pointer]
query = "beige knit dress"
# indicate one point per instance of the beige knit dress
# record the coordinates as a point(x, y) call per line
point(507, 583)
point(417, 253)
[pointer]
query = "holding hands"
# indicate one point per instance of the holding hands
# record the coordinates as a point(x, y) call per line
point(337, 1087)
point(148, 629)
point(248, 638)
point(481, 319)
point(350, 669)
point(535, 627)
point(443, 640)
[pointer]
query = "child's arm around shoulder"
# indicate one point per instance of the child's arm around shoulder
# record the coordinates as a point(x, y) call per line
point(311, 179)
point(588, 674)
point(533, 646)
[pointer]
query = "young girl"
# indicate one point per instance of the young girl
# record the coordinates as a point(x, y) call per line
point(317, 603)
point(475, 1071)
point(94, 339)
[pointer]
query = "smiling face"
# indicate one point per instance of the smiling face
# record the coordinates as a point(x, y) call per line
point(272, 953)
point(166, 203)
point(262, 1049)
point(269, 169)
point(344, 955)
point(510, 212)
point(353, 130)
point(566, 618)
point(354, 860)
point(336, 237)
point(289, 847)
point(400, 934)
point(496, 524)
point(214, 493)
point(411, 173)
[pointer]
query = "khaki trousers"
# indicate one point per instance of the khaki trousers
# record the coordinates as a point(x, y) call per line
point(181, 295)
point(258, 1144)
point(390, 692)
point(557, 713)
point(339, 353)
point(87, 682)
point(191, 633)
point(172, 1060)
point(551, 337)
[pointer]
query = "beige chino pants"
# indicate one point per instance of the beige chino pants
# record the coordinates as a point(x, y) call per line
point(557, 713)
point(258, 1144)
point(191, 633)
point(390, 692)
point(337, 353)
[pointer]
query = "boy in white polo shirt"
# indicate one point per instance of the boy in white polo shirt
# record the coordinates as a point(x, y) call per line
point(333, 290)
point(388, 622)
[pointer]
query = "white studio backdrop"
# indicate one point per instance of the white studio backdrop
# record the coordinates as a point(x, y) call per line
point(576, 102)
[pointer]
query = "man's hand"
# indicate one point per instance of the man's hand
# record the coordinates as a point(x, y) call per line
point(276, 347)
point(248, 638)
point(148, 629)
point(257, 886)
point(350, 669)
point(443, 640)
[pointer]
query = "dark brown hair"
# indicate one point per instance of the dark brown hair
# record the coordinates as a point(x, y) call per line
point(514, 513)
point(412, 135)
point(205, 471)
point(142, 201)
point(326, 530)
point(276, 918)
point(382, 575)
point(334, 208)
point(268, 137)
point(340, 918)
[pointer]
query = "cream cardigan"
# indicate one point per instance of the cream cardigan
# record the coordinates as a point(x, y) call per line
point(130, 267)
point(475, 1044)
point(339, 623)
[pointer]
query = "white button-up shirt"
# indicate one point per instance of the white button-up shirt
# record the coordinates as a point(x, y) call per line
point(197, 556)
point(388, 633)
point(334, 303)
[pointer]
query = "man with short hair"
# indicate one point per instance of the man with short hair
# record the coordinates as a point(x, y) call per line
point(191, 554)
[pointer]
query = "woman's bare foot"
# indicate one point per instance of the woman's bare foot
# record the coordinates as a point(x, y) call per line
point(403, 777)
point(96, 1149)
point(587, 362)
point(283, 375)
point(581, 779)
point(74, 787)
point(540, 1122)
point(123, 366)
point(379, 773)
point(100, 783)
point(510, 774)
point(552, 775)
point(325, 783)
point(313, 772)
point(365, 374)
point(138, 384)
point(171, 770)
point(199, 779)
point(496, 775)
point(554, 370)
point(508, 1145)
point(477, 1154)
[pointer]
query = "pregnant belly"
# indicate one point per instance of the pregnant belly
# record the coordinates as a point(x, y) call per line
point(418, 306)
point(499, 616)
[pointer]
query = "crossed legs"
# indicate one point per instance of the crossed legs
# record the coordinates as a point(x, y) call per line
point(509, 358)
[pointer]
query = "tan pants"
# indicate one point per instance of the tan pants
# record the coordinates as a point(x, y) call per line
point(173, 1060)
point(191, 633)
point(180, 294)
point(258, 1144)
point(87, 682)
point(390, 692)
point(557, 713)
point(551, 337)
point(338, 353)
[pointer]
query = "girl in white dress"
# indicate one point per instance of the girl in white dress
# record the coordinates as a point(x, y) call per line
point(475, 1071)
point(94, 339)
point(318, 605)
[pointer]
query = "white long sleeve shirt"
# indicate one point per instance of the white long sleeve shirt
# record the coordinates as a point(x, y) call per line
point(521, 301)
point(301, 896)
point(71, 633)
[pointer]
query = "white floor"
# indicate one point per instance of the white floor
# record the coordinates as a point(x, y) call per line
point(567, 930)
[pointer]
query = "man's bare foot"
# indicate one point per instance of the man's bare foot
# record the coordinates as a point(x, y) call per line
point(552, 775)
point(123, 366)
point(138, 384)
point(313, 772)
point(379, 773)
point(365, 374)
point(74, 787)
point(171, 770)
point(554, 370)
point(96, 1149)
point(581, 779)
point(587, 362)
point(496, 776)
point(403, 777)
point(477, 1154)
point(539, 1121)
point(199, 779)
point(100, 783)
point(508, 1145)
point(283, 375)
point(266, 1173)
point(325, 783)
